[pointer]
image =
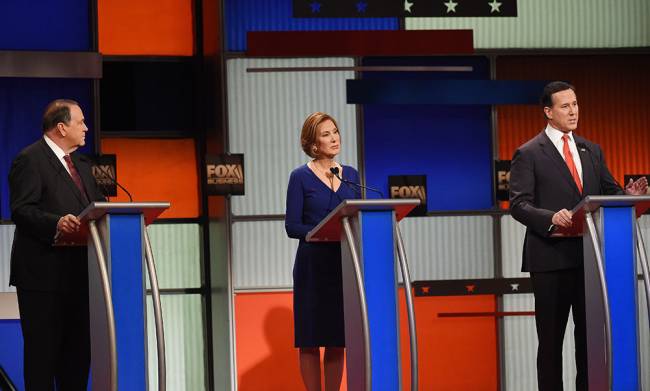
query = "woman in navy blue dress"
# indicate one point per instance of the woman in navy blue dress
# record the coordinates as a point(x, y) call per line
point(317, 287)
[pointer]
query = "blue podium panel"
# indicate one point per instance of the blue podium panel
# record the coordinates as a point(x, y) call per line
point(128, 293)
point(11, 353)
point(620, 273)
point(380, 285)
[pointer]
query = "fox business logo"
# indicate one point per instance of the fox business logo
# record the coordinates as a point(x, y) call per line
point(104, 174)
point(225, 174)
point(408, 192)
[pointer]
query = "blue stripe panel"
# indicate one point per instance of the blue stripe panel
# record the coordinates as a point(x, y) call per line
point(22, 102)
point(242, 16)
point(381, 295)
point(620, 273)
point(444, 92)
point(45, 25)
point(127, 286)
point(451, 145)
point(11, 351)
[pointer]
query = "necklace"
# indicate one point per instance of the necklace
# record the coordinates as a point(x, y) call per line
point(328, 174)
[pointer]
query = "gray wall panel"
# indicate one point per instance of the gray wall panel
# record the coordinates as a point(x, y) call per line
point(6, 238)
point(184, 344)
point(262, 255)
point(521, 347)
point(266, 112)
point(177, 251)
point(555, 24)
point(512, 244)
point(449, 247)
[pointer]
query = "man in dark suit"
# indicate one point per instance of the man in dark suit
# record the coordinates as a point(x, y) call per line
point(49, 186)
point(550, 174)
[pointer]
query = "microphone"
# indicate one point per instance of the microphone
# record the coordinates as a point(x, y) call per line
point(335, 171)
point(88, 159)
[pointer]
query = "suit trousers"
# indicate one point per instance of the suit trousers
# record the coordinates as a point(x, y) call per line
point(557, 292)
point(56, 336)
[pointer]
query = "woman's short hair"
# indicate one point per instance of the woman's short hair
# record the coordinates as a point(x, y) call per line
point(309, 133)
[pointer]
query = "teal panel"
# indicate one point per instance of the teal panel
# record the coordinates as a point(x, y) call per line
point(177, 251)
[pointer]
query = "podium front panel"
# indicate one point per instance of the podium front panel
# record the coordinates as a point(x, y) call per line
point(128, 289)
point(372, 233)
point(380, 283)
point(620, 272)
point(615, 238)
point(122, 244)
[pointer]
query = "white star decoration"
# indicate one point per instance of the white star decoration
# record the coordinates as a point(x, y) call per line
point(407, 6)
point(495, 6)
point(451, 6)
point(515, 287)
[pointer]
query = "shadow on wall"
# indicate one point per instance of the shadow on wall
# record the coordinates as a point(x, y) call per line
point(279, 370)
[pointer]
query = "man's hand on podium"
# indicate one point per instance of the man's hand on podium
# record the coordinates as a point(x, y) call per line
point(562, 218)
point(638, 187)
point(68, 224)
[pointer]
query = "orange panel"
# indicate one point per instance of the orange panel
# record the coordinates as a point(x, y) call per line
point(158, 170)
point(454, 353)
point(266, 357)
point(614, 105)
point(146, 27)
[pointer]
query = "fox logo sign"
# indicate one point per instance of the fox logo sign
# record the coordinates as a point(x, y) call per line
point(225, 174)
point(408, 192)
point(410, 186)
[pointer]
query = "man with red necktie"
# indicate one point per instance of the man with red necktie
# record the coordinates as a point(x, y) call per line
point(549, 175)
point(49, 186)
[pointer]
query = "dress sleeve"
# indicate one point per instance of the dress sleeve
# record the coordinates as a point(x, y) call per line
point(293, 222)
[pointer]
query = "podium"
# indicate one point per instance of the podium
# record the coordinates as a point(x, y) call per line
point(370, 242)
point(118, 245)
point(611, 240)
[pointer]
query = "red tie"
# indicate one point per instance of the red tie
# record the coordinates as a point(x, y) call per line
point(75, 176)
point(570, 163)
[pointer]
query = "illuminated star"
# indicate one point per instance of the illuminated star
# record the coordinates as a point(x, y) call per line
point(315, 7)
point(425, 289)
point(495, 6)
point(407, 6)
point(515, 287)
point(470, 288)
point(451, 6)
point(362, 6)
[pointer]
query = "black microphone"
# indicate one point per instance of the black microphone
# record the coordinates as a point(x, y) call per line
point(88, 159)
point(335, 171)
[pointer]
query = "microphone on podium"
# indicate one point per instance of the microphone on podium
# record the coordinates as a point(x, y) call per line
point(335, 171)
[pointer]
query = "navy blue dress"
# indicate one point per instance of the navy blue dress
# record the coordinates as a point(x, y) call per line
point(317, 283)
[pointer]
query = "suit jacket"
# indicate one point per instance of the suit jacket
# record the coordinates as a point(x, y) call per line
point(540, 185)
point(41, 192)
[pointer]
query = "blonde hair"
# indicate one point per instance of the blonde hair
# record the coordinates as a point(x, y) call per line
point(309, 133)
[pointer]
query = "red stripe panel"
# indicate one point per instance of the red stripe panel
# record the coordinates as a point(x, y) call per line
point(359, 43)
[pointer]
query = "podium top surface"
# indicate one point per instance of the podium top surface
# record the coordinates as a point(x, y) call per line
point(329, 229)
point(96, 210)
point(150, 210)
point(591, 203)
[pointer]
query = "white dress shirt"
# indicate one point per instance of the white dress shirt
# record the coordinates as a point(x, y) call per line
point(57, 151)
point(556, 137)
